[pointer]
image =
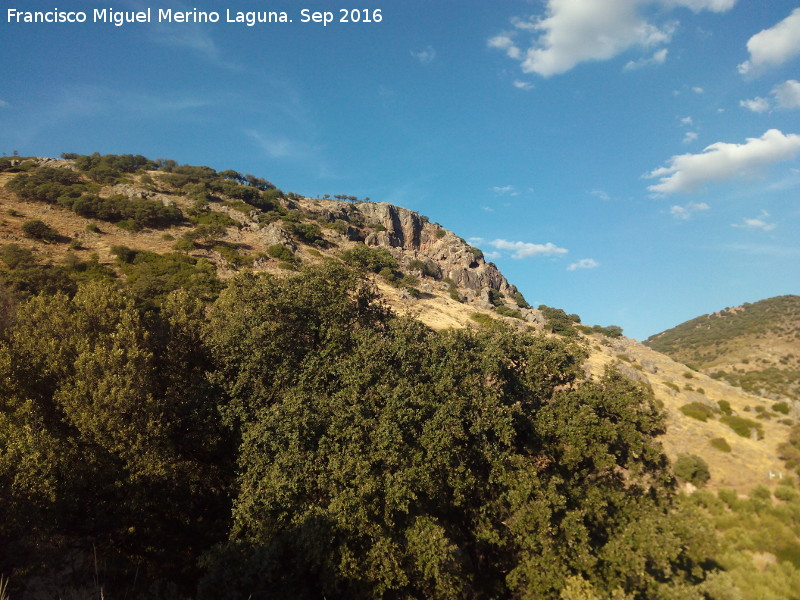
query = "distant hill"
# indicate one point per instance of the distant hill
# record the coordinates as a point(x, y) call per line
point(753, 346)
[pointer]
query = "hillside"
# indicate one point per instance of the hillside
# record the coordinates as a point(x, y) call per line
point(754, 346)
point(425, 261)
point(226, 223)
point(144, 361)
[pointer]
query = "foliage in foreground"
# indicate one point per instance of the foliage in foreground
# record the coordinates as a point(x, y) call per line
point(298, 440)
point(759, 552)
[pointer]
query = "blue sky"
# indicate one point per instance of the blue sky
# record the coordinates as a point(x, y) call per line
point(633, 161)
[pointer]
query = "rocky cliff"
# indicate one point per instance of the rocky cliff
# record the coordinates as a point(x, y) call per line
point(410, 236)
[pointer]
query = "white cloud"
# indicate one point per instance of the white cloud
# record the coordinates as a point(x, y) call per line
point(505, 190)
point(600, 194)
point(721, 161)
point(575, 31)
point(787, 94)
point(523, 85)
point(492, 255)
point(773, 46)
point(690, 137)
point(504, 42)
point(527, 249)
point(658, 58)
point(425, 56)
point(698, 5)
point(584, 263)
point(757, 104)
point(698, 90)
point(756, 223)
point(686, 212)
point(3, 103)
point(687, 121)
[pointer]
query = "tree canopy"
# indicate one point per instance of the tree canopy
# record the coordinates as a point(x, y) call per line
point(296, 439)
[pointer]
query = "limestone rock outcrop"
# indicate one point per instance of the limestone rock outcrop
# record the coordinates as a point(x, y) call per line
point(416, 238)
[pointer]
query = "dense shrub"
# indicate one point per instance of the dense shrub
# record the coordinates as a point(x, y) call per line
point(786, 493)
point(299, 440)
point(720, 444)
point(139, 212)
point(698, 410)
point(380, 463)
point(425, 268)
point(23, 275)
point(495, 297)
point(63, 186)
point(39, 230)
point(781, 407)
point(612, 331)
point(110, 445)
point(693, 469)
point(557, 321)
point(230, 254)
point(743, 427)
point(365, 258)
point(152, 276)
point(280, 252)
point(789, 451)
point(123, 253)
point(109, 168)
point(453, 292)
point(508, 312)
point(213, 217)
point(520, 300)
point(47, 184)
point(15, 164)
point(477, 253)
point(308, 233)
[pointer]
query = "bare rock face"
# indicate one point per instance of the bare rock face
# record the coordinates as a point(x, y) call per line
point(411, 237)
point(272, 234)
point(134, 191)
point(414, 237)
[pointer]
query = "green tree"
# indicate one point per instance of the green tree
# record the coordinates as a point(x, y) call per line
point(108, 438)
point(363, 257)
point(379, 458)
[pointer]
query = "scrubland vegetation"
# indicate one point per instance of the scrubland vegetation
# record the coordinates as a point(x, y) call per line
point(293, 438)
point(726, 345)
point(167, 434)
